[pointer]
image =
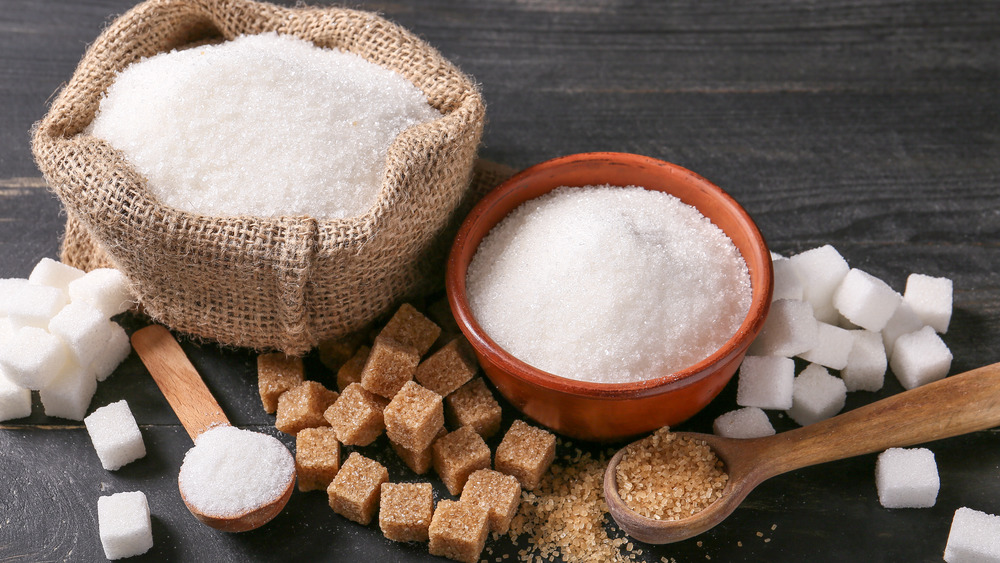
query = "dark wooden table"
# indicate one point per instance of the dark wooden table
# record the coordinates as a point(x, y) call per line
point(870, 125)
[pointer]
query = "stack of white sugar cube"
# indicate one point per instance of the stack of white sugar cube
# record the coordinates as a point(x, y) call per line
point(57, 337)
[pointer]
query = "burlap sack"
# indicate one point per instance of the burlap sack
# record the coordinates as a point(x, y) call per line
point(284, 283)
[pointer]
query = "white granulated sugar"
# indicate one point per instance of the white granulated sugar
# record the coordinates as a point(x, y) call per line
point(608, 284)
point(264, 125)
point(231, 471)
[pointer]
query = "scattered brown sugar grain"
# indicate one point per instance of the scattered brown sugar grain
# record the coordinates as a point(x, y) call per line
point(668, 477)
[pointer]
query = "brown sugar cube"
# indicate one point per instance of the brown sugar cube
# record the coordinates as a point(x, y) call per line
point(317, 458)
point(418, 461)
point(408, 326)
point(335, 352)
point(414, 417)
point(350, 372)
point(354, 492)
point(277, 373)
point(526, 452)
point(440, 312)
point(390, 365)
point(473, 405)
point(405, 511)
point(303, 407)
point(445, 370)
point(357, 417)
point(457, 455)
point(458, 531)
point(499, 494)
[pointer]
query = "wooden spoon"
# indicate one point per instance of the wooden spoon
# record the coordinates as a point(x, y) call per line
point(956, 405)
point(198, 412)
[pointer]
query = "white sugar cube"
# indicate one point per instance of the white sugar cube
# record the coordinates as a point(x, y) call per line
point(69, 395)
point(105, 289)
point(817, 395)
point(124, 523)
point(787, 284)
point(974, 538)
point(903, 321)
point(833, 346)
point(821, 271)
point(919, 358)
point(749, 422)
point(865, 369)
point(83, 329)
point(115, 435)
point(34, 305)
point(54, 274)
point(789, 330)
point(931, 300)
point(32, 358)
point(865, 300)
point(15, 401)
point(907, 478)
point(113, 353)
point(8, 292)
point(766, 382)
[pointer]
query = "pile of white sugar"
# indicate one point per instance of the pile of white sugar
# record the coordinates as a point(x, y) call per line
point(264, 125)
point(230, 471)
point(608, 284)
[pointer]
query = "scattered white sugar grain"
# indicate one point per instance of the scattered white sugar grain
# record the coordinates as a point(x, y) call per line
point(821, 271)
point(787, 284)
point(920, 357)
point(931, 299)
point(749, 422)
point(817, 395)
point(83, 329)
point(866, 364)
point(865, 300)
point(789, 330)
point(31, 357)
point(264, 125)
point(34, 305)
point(115, 435)
point(54, 274)
point(230, 471)
point(70, 392)
point(833, 346)
point(15, 401)
point(766, 382)
point(903, 321)
point(608, 284)
point(124, 524)
point(114, 352)
point(907, 478)
point(105, 289)
point(974, 538)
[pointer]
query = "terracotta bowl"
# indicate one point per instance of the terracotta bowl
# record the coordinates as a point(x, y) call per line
point(601, 411)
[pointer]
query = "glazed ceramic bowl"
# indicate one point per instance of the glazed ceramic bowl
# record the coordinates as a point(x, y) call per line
point(606, 411)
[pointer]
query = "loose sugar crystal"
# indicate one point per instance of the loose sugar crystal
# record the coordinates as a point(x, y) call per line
point(405, 511)
point(457, 454)
point(920, 357)
point(350, 372)
point(445, 370)
point(54, 274)
point(317, 458)
point(817, 395)
point(303, 407)
point(105, 289)
point(821, 271)
point(526, 452)
point(35, 305)
point(974, 538)
point(389, 366)
point(15, 401)
point(277, 373)
point(473, 405)
point(408, 326)
point(114, 352)
point(749, 422)
point(354, 492)
point(414, 417)
point(789, 330)
point(115, 435)
point(766, 382)
point(907, 478)
point(357, 416)
point(904, 321)
point(499, 494)
point(69, 394)
point(833, 346)
point(787, 284)
point(124, 524)
point(931, 300)
point(32, 358)
point(865, 300)
point(865, 369)
point(83, 329)
point(458, 531)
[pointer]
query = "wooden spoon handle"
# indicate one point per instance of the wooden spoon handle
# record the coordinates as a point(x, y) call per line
point(177, 379)
point(956, 405)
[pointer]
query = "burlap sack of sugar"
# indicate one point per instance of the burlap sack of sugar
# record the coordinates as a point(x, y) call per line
point(266, 283)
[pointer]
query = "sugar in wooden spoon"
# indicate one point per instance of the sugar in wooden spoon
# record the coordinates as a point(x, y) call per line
point(232, 480)
point(957, 405)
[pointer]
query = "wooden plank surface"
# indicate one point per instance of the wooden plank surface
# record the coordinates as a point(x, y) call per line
point(870, 125)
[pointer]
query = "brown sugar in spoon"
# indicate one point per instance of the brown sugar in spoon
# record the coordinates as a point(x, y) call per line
point(950, 407)
point(198, 412)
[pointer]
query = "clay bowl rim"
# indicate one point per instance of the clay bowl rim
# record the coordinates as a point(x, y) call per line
point(505, 193)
